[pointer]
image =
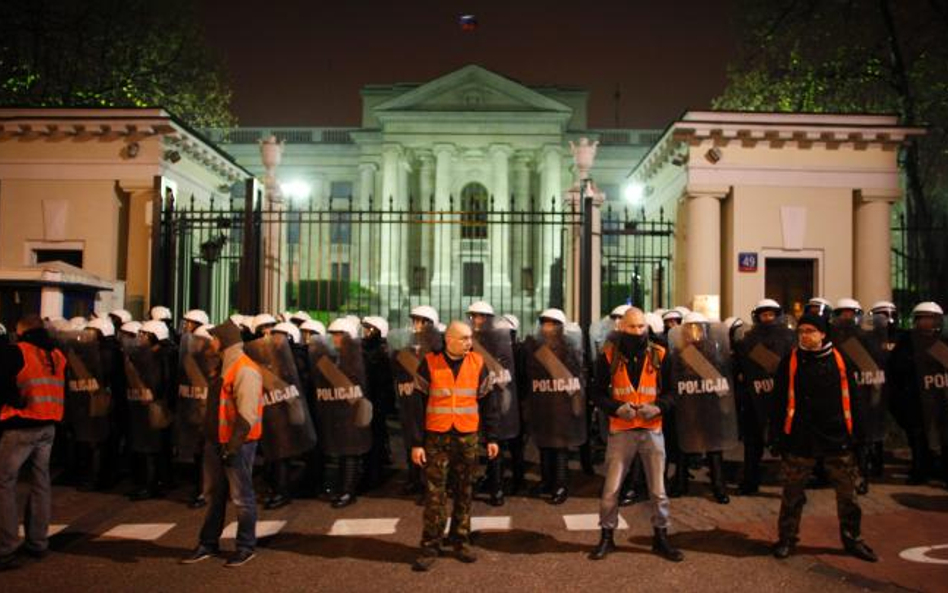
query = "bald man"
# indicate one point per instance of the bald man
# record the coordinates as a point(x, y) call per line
point(460, 404)
point(632, 388)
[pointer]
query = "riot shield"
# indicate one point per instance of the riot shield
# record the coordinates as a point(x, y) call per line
point(88, 393)
point(288, 430)
point(931, 371)
point(496, 347)
point(148, 412)
point(759, 352)
point(867, 353)
point(343, 413)
point(198, 371)
point(408, 350)
point(556, 398)
point(705, 410)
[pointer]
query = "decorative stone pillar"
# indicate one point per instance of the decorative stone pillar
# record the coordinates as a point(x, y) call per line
point(390, 232)
point(273, 230)
point(703, 249)
point(584, 155)
point(519, 228)
point(499, 234)
point(872, 252)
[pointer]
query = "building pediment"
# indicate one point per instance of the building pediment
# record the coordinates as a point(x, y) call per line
point(472, 88)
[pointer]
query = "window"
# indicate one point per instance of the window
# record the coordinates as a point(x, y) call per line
point(340, 189)
point(340, 271)
point(340, 228)
point(526, 279)
point(73, 257)
point(419, 279)
point(474, 206)
point(473, 279)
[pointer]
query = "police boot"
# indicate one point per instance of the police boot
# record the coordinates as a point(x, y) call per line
point(148, 485)
point(680, 482)
point(350, 477)
point(750, 484)
point(545, 485)
point(495, 481)
point(281, 486)
point(560, 476)
point(716, 468)
point(606, 545)
point(918, 472)
point(662, 547)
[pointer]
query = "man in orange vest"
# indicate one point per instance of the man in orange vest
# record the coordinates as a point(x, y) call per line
point(234, 425)
point(816, 415)
point(460, 404)
point(631, 387)
point(32, 400)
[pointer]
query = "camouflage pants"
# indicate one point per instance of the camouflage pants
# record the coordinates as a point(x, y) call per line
point(841, 471)
point(449, 457)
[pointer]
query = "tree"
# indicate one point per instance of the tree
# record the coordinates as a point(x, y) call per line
point(861, 56)
point(111, 53)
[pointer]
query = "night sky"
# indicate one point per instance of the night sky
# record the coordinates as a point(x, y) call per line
point(302, 63)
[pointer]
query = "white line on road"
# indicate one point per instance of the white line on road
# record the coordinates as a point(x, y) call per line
point(53, 530)
point(363, 527)
point(920, 554)
point(264, 529)
point(138, 531)
point(486, 524)
point(588, 522)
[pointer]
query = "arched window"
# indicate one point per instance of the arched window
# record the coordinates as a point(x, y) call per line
point(474, 199)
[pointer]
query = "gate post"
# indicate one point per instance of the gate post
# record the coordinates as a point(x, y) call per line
point(248, 283)
point(162, 247)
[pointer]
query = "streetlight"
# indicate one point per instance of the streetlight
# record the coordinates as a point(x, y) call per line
point(297, 190)
point(634, 193)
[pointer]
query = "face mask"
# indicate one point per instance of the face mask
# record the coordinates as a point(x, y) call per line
point(632, 343)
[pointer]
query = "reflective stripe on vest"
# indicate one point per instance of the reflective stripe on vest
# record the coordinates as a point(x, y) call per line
point(452, 402)
point(844, 389)
point(623, 390)
point(227, 411)
point(41, 387)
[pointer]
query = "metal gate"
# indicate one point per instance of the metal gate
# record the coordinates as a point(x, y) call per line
point(636, 259)
point(379, 260)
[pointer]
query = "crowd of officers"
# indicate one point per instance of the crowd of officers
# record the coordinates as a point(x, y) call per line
point(665, 393)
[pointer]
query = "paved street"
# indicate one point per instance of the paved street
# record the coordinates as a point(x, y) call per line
point(106, 542)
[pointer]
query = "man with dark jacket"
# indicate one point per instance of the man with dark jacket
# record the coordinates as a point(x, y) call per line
point(632, 388)
point(816, 411)
point(234, 425)
point(33, 397)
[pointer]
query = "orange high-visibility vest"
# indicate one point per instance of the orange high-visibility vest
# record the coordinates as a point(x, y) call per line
point(452, 402)
point(623, 390)
point(843, 384)
point(227, 411)
point(42, 387)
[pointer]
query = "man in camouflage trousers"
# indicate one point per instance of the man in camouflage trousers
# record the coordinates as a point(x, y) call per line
point(460, 403)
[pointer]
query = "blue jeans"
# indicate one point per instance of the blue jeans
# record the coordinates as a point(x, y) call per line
point(17, 447)
point(234, 481)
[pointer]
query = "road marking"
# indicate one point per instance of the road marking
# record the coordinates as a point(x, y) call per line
point(486, 524)
point(264, 529)
point(920, 554)
point(53, 530)
point(138, 531)
point(588, 522)
point(363, 527)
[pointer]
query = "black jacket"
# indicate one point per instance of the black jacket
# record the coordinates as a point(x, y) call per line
point(819, 426)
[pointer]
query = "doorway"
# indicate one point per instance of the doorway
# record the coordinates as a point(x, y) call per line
point(790, 281)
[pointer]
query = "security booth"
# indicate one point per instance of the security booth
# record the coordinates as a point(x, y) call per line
point(778, 205)
point(53, 290)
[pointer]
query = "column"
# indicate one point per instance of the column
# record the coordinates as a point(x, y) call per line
point(549, 234)
point(405, 227)
point(390, 232)
point(703, 250)
point(441, 275)
point(872, 252)
point(426, 188)
point(520, 239)
point(362, 223)
point(499, 230)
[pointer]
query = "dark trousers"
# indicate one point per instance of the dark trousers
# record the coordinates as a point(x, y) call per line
point(841, 472)
point(232, 481)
